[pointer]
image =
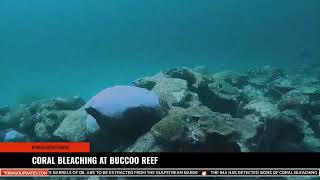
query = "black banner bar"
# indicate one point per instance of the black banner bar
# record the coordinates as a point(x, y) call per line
point(159, 160)
point(185, 172)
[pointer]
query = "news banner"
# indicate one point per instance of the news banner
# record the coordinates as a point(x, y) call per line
point(161, 172)
point(158, 164)
point(75, 159)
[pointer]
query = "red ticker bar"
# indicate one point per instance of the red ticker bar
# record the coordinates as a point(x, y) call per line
point(24, 172)
point(45, 147)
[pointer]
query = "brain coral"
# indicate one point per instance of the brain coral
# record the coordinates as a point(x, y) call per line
point(115, 101)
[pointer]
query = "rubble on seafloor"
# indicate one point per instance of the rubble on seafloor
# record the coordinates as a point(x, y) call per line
point(264, 109)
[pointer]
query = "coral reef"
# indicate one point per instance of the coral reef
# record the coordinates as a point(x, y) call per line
point(38, 120)
point(264, 109)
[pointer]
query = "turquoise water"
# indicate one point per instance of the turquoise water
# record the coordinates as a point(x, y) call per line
point(78, 47)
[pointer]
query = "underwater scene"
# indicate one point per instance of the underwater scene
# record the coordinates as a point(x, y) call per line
point(162, 75)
